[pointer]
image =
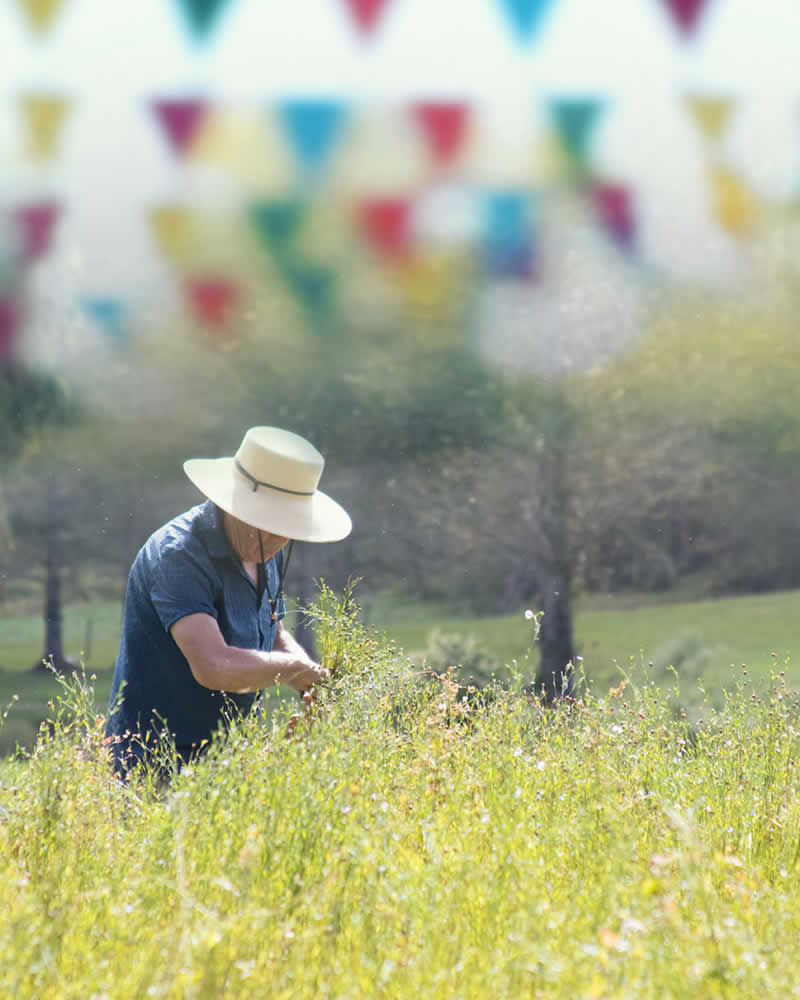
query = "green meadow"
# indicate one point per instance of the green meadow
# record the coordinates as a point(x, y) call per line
point(706, 641)
point(416, 838)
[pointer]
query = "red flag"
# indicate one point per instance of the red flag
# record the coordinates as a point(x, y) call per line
point(10, 315)
point(686, 13)
point(385, 224)
point(444, 125)
point(212, 299)
point(614, 206)
point(37, 222)
point(180, 120)
point(366, 13)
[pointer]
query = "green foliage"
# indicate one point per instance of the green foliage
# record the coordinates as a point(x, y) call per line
point(346, 646)
point(29, 401)
point(599, 848)
point(474, 664)
point(686, 653)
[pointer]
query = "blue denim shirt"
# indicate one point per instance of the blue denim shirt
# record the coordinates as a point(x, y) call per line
point(187, 566)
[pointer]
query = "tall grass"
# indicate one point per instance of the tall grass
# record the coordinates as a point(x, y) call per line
point(414, 840)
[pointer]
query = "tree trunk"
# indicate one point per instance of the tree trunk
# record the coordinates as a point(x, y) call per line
point(556, 646)
point(53, 612)
point(556, 643)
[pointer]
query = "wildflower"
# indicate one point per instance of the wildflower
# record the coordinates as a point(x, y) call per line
point(528, 614)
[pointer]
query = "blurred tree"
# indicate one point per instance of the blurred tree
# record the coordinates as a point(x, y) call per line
point(29, 402)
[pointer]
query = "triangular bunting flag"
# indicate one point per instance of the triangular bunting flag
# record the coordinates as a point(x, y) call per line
point(171, 225)
point(200, 16)
point(444, 125)
point(180, 120)
point(40, 14)
point(526, 16)
point(735, 205)
point(312, 126)
point(36, 224)
point(509, 240)
point(434, 283)
point(44, 117)
point(685, 13)
point(108, 314)
point(574, 119)
point(615, 208)
point(385, 223)
point(277, 221)
point(711, 115)
point(366, 13)
point(10, 316)
point(212, 299)
point(313, 285)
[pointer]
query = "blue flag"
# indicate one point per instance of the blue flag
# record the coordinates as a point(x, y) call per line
point(109, 314)
point(312, 126)
point(509, 238)
point(526, 16)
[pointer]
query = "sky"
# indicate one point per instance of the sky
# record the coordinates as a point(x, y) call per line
point(112, 57)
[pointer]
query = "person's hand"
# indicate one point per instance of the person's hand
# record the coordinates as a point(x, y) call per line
point(306, 675)
point(309, 710)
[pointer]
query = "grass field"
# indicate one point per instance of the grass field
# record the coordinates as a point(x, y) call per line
point(702, 640)
point(409, 844)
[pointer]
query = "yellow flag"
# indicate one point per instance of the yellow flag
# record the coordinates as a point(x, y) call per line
point(245, 147)
point(433, 281)
point(44, 119)
point(171, 225)
point(41, 13)
point(736, 206)
point(711, 115)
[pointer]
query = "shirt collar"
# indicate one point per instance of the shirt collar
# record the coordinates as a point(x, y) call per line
point(212, 531)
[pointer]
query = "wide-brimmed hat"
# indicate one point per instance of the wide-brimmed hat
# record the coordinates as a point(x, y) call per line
point(271, 484)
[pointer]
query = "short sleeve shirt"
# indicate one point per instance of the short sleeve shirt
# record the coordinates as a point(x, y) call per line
point(186, 567)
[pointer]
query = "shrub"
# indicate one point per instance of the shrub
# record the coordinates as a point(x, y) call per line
point(473, 664)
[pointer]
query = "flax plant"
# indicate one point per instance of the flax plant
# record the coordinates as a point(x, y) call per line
point(410, 841)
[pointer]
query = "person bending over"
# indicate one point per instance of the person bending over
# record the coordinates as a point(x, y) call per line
point(203, 629)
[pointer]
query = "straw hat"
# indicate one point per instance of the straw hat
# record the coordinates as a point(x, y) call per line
point(271, 484)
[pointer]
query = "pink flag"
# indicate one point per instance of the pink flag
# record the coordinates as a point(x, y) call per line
point(614, 206)
point(366, 13)
point(686, 13)
point(36, 223)
point(212, 299)
point(385, 224)
point(444, 125)
point(10, 315)
point(180, 120)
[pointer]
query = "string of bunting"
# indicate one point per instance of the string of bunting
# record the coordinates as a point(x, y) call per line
point(202, 18)
point(313, 129)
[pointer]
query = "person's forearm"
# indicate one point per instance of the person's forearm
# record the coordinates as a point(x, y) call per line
point(245, 670)
point(285, 642)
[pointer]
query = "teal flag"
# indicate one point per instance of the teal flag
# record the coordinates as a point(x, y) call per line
point(277, 221)
point(312, 126)
point(200, 16)
point(314, 287)
point(526, 16)
point(574, 119)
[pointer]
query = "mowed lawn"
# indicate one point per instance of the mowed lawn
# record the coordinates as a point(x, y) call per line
point(709, 641)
